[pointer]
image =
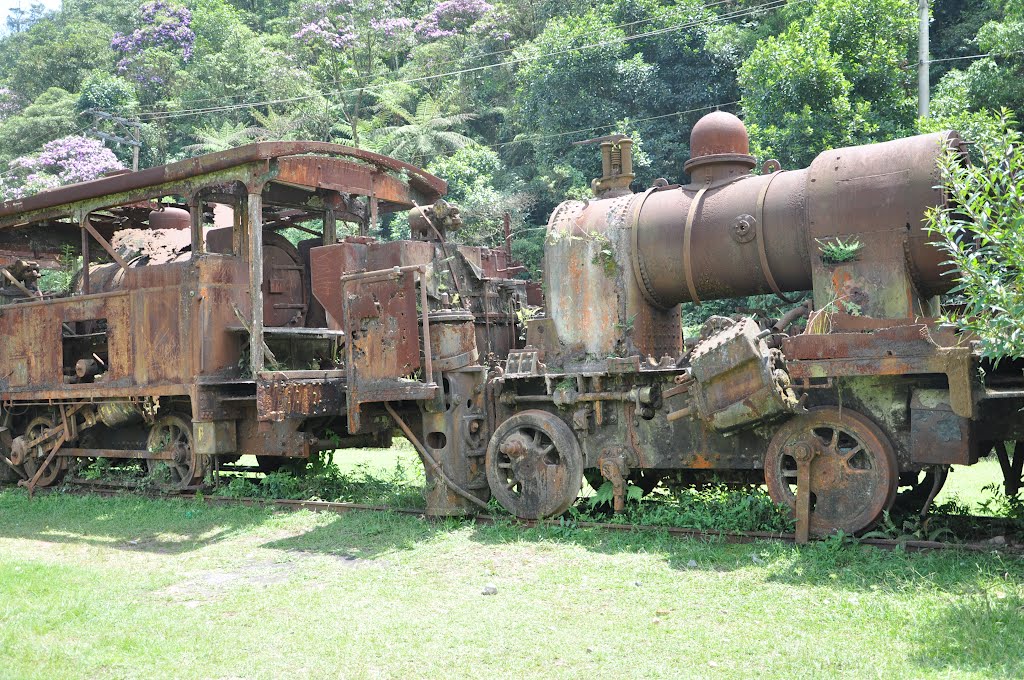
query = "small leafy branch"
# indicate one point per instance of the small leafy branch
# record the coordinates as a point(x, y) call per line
point(605, 495)
point(837, 251)
point(627, 325)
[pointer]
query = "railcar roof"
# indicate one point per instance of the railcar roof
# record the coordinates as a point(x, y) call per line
point(420, 181)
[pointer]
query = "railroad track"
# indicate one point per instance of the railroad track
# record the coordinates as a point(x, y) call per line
point(340, 507)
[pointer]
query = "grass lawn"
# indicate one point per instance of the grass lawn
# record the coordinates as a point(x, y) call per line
point(130, 587)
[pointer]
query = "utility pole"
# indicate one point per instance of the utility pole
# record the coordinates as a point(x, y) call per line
point(922, 59)
point(132, 127)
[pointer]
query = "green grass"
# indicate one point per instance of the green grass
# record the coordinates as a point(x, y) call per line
point(965, 482)
point(130, 587)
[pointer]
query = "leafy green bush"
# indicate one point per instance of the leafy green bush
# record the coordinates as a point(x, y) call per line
point(982, 233)
point(716, 507)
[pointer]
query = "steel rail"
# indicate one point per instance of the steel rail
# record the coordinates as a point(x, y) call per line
point(342, 507)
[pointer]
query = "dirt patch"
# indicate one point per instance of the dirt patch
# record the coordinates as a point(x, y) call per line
point(212, 585)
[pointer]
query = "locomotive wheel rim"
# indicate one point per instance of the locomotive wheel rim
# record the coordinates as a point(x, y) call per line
point(534, 465)
point(854, 472)
point(174, 432)
point(37, 454)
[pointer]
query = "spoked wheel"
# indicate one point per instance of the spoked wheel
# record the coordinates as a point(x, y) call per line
point(36, 456)
point(853, 471)
point(534, 465)
point(173, 433)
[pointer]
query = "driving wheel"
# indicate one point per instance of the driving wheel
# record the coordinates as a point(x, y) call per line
point(853, 468)
point(172, 434)
point(534, 465)
point(36, 455)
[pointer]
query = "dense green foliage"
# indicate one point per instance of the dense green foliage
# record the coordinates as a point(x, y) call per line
point(517, 80)
point(984, 238)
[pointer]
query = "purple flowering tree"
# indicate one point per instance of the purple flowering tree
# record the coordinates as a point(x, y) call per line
point(62, 161)
point(352, 46)
point(160, 44)
point(451, 18)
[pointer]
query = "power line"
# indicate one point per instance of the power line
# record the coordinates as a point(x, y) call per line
point(534, 138)
point(774, 4)
point(976, 56)
point(771, 5)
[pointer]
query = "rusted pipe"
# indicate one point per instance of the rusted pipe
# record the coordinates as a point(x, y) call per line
point(425, 306)
point(17, 284)
point(586, 396)
point(791, 316)
point(681, 413)
point(429, 461)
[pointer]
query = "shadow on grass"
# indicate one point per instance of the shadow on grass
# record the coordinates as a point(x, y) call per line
point(366, 535)
point(981, 633)
point(125, 522)
point(835, 563)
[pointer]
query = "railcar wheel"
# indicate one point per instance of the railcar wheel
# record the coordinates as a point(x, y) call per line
point(534, 465)
point(854, 471)
point(173, 433)
point(37, 455)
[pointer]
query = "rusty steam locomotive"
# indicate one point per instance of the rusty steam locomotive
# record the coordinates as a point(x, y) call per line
point(240, 343)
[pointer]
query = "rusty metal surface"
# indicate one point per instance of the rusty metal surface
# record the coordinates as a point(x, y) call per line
point(452, 339)
point(896, 351)
point(719, 138)
point(165, 325)
point(381, 326)
point(898, 341)
point(534, 465)
point(937, 434)
point(740, 382)
point(421, 181)
point(880, 190)
point(730, 234)
point(287, 397)
point(851, 469)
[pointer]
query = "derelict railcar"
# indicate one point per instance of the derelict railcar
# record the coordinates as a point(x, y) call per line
point(216, 337)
